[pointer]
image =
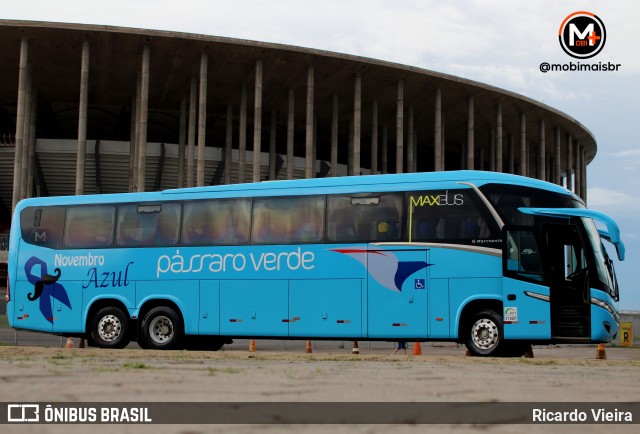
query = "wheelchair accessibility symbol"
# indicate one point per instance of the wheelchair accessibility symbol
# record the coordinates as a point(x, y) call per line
point(419, 284)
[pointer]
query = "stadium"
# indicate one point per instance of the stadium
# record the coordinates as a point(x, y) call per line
point(98, 109)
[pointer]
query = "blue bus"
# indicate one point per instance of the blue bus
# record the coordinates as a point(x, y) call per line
point(491, 260)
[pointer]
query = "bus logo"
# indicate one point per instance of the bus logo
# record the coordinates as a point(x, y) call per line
point(582, 35)
point(45, 287)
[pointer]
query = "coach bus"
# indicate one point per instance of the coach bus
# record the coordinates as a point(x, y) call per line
point(491, 260)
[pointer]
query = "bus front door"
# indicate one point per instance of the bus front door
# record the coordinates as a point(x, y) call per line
point(397, 293)
point(569, 283)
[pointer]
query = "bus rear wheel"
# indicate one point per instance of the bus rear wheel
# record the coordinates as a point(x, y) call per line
point(110, 328)
point(161, 329)
point(485, 336)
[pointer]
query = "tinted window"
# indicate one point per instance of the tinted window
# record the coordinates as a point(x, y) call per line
point(148, 225)
point(43, 226)
point(288, 220)
point(371, 217)
point(508, 198)
point(451, 216)
point(89, 226)
point(216, 222)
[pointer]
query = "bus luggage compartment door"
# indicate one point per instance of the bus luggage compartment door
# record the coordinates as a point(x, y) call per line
point(397, 293)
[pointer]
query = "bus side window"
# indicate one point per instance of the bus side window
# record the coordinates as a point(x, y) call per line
point(288, 220)
point(89, 226)
point(523, 256)
point(364, 217)
point(43, 226)
point(216, 222)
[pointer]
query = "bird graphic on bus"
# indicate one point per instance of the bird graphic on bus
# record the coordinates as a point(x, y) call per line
point(384, 267)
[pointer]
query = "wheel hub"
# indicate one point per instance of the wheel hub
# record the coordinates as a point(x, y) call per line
point(109, 328)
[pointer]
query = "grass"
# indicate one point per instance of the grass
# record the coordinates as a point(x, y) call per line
point(4, 322)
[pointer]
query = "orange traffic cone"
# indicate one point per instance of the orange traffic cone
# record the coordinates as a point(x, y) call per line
point(308, 348)
point(252, 346)
point(601, 354)
point(417, 349)
point(355, 349)
point(69, 343)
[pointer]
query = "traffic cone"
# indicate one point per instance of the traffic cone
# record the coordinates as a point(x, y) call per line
point(308, 348)
point(69, 343)
point(252, 346)
point(355, 349)
point(468, 354)
point(417, 349)
point(601, 354)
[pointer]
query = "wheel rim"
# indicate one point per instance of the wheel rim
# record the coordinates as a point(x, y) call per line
point(161, 330)
point(485, 334)
point(109, 328)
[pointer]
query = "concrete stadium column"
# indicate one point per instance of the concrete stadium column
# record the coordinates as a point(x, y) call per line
point(492, 149)
point(470, 135)
point(438, 165)
point(577, 170)
point(410, 142)
point(384, 158)
point(569, 162)
point(542, 156)
point(202, 119)
point(32, 142)
point(82, 119)
point(228, 144)
point(499, 150)
point(242, 135)
point(191, 140)
point(443, 152)
point(415, 150)
point(374, 137)
point(290, 134)
point(272, 146)
point(523, 145)
point(309, 160)
point(24, 170)
point(133, 139)
point(357, 124)
point(22, 91)
point(400, 128)
point(583, 166)
point(557, 158)
point(257, 123)
point(182, 140)
point(350, 149)
point(511, 152)
point(334, 135)
point(144, 113)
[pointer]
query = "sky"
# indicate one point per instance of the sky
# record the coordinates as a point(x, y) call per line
point(498, 42)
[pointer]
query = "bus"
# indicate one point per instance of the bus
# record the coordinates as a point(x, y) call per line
point(494, 261)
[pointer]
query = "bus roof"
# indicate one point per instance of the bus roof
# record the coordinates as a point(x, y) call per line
point(335, 185)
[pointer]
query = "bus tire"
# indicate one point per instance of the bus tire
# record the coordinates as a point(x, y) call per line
point(485, 334)
point(110, 328)
point(161, 329)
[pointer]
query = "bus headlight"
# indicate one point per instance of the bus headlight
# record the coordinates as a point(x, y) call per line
point(607, 307)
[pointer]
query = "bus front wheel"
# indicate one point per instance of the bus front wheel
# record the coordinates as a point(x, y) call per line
point(161, 329)
point(485, 334)
point(110, 328)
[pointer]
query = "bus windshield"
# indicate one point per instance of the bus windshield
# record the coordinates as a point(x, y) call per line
point(603, 264)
